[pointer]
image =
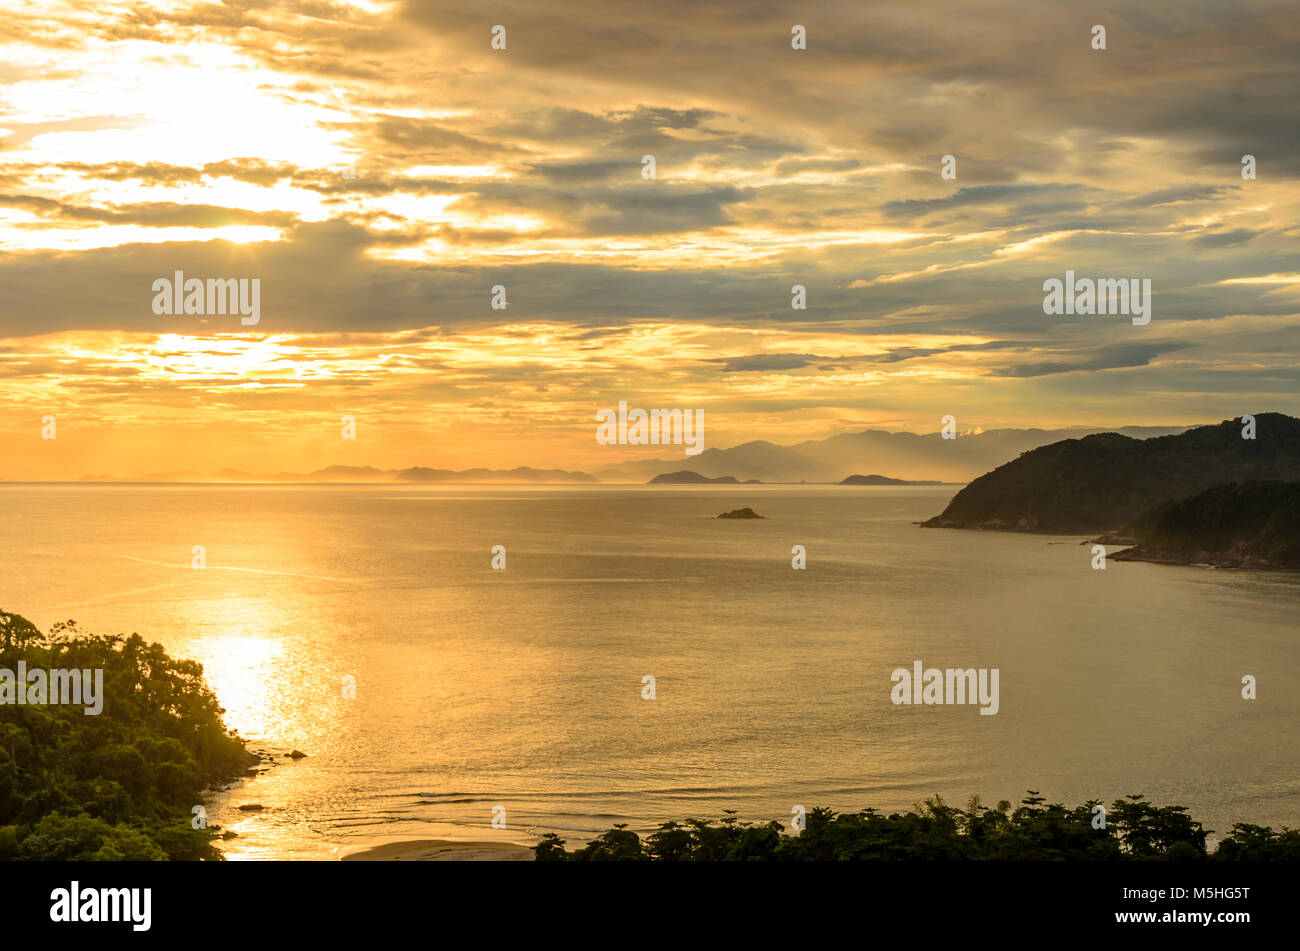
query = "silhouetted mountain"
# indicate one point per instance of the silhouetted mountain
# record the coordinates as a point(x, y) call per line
point(686, 477)
point(1102, 482)
point(1247, 525)
point(907, 455)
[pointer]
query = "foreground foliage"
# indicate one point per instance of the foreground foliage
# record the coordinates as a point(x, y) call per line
point(119, 785)
point(934, 831)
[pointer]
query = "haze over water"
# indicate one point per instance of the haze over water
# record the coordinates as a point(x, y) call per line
point(523, 688)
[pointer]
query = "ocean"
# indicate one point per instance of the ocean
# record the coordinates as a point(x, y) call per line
point(521, 694)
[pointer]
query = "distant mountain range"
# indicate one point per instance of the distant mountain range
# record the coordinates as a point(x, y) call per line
point(687, 477)
point(907, 456)
point(366, 474)
point(1105, 482)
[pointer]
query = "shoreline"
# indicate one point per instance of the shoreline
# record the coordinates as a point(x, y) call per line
point(1199, 559)
point(441, 850)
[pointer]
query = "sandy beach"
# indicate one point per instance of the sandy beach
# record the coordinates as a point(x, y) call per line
point(443, 850)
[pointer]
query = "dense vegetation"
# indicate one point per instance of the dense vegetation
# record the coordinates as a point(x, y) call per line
point(119, 785)
point(1255, 524)
point(1102, 482)
point(1036, 831)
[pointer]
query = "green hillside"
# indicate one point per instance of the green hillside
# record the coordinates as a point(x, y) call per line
point(1252, 524)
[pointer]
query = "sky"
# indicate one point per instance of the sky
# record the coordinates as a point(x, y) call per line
point(379, 167)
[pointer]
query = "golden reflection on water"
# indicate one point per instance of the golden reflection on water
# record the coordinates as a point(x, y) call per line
point(243, 673)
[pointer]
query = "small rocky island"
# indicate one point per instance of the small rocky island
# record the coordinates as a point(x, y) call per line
point(885, 480)
point(741, 513)
point(687, 477)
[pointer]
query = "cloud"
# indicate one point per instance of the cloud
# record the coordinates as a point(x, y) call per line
point(1111, 357)
point(522, 167)
point(767, 361)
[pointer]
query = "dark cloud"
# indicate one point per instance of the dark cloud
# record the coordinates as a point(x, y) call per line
point(1223, 239)
point(1104, 358)
point(767, 361)
point(988, 195)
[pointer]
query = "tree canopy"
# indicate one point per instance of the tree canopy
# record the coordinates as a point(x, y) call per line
point(120, 784)
point(1135, 830)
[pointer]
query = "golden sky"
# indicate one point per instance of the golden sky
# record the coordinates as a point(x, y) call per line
point(379, 167)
